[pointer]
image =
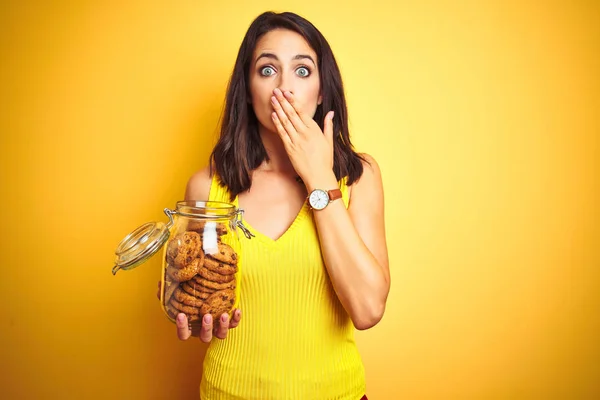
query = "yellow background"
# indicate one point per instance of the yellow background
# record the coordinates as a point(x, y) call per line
point(484, 117)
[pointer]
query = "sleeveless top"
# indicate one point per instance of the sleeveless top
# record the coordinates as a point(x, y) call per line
point(295, 340)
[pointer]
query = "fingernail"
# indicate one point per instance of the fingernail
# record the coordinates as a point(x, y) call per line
point(277, 91)
point(207, 319)
point(224, 318)
point(287, 94)
point(331, 115)
point(237, 313)
point(180, 318)
point(273, 99)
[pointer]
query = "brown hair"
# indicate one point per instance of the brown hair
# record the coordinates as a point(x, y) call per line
point(239, 149)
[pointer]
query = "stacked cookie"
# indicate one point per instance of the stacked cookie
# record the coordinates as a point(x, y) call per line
point(200, 273)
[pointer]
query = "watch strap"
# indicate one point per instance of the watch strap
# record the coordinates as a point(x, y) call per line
point(334, 194)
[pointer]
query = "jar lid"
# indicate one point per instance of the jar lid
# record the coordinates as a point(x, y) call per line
point(140, 245)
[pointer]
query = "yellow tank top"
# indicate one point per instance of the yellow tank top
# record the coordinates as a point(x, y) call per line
point(295, 340)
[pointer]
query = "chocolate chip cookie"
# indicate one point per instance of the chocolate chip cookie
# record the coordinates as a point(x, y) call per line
point(219, 267)
point(188, 272)
point(183, 249)
point(187, 299)
point(214, 285)
point(170, 287)
point(202, 227)
point(189, 310)
point(225, 254)
point(189, 289)
point(218, 303)
point(214, 276)
point(196, 285)
point(171, 311)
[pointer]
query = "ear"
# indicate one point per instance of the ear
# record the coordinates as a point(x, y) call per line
point(320, 100)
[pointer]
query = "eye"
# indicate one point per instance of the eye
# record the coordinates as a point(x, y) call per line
point(303, 72)
point(267, 71)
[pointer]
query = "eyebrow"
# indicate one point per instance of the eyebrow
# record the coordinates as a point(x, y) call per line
point(296, 57)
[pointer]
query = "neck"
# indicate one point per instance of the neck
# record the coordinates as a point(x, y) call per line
point(279, 161)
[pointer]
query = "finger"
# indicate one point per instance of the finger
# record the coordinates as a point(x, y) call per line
point(290, 109)
point(287, 141)
point(223, 326)
point(235, 320)
point(289, 96)
point(183, 329)
point(288, 126)
point(328, 127)
point(207, 328)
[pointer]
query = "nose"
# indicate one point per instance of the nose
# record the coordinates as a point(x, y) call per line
point(286, 82)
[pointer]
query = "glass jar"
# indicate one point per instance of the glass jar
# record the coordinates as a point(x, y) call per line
point(201, 263)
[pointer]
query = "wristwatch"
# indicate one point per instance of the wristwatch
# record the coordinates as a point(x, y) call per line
point(318, 199)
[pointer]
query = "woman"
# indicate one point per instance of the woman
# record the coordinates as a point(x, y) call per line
point(318, 266)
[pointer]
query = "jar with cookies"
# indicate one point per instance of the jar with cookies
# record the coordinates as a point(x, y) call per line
point(201, 257)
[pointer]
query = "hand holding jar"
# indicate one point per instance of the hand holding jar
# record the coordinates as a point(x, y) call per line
point(199, 286)
point(208, 328)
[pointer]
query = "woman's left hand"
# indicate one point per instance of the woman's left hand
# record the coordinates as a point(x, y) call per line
point(310, 149)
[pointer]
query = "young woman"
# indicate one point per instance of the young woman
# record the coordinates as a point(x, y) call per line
point(317, 267)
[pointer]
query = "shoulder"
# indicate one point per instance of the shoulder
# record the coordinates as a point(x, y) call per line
point(370, 165)
point(198, 186)
point(371, 176)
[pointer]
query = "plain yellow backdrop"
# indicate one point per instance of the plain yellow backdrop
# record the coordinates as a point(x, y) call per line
point(484, 117)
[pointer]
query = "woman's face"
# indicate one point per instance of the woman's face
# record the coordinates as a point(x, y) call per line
point(283, 59)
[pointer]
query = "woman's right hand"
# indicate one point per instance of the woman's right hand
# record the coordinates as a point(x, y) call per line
point(208, 328)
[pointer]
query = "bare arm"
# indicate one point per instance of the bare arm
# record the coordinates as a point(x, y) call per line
point(353, 239)
point(198, 186)
point(354, 246)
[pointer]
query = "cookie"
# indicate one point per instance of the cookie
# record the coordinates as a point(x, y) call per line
point(171, 311)
point(187, 273)
point(214, 276)
point(187, 299)
point(170, 287)
point(201, 227)
point(193, 318)
point(219, 267)
point(183, 249)
point(218, 303)
point(189, 310)
point(214, 285)
point(225, 254)
point(196, 293)
point(195, 284)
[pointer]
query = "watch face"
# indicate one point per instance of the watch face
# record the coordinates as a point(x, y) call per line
point(318, 199)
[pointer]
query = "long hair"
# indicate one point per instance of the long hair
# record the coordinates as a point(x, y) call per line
point(239, 149)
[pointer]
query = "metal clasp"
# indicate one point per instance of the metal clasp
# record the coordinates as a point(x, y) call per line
point(239, 216)
point(170, 214)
